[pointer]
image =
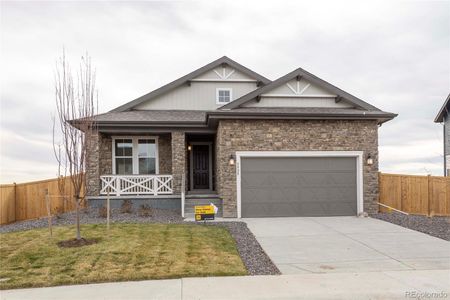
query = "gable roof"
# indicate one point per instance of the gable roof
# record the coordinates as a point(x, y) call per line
point(190, 76)
point(308, 76)
point(443, 111)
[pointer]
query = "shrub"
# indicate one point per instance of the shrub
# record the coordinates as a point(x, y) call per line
point(145, 211)
point(127, 207)
point(102, 212)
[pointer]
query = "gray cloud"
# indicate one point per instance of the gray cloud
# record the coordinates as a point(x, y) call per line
point(392, 54)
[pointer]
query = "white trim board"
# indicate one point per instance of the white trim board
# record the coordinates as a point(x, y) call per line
point(296, 96)
point(356, 154)
point(222, 80)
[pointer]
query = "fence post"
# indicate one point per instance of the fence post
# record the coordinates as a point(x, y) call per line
point(15, 202)
point(183, 191)
point(49, 214)
point(107, 210)
point(404, 194)
point(379, 191)
point(429, 195)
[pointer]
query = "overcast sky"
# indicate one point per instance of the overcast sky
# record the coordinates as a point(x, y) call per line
point(395, 55)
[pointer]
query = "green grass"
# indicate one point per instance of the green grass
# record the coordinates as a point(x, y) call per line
point(128, 252)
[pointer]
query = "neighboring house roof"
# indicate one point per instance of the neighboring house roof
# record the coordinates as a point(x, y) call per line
point(342, 95)
point(190, 76)
point(443, 111)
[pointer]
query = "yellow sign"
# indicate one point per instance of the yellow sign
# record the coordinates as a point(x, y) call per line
point(204, 210)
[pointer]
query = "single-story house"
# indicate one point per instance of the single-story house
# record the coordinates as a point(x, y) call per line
point(443, 117)
point(295, 146)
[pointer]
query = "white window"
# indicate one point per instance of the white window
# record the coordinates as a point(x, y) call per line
point(223, 95)
point(135, 155)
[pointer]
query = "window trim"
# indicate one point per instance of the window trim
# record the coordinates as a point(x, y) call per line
point(135, 156)
point(224, 89)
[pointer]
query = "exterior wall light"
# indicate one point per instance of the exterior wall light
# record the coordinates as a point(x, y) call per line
point(231, 161)
point(369, 160)
point(189, 147)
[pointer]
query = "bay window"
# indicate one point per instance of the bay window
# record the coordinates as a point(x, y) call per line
point(135, 155)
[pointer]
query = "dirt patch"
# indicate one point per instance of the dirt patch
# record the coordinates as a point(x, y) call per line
point(72, 243)
point(325, 267)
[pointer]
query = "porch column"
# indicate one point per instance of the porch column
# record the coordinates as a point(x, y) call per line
point(92, 164)
point(178, 159)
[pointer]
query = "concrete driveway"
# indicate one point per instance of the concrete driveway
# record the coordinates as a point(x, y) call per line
point(347, 244)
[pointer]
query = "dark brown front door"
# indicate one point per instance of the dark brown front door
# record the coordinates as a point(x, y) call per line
point(200, 167)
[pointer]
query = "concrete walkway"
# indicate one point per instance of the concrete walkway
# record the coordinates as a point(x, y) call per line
point(347, 244)
point(371, 285)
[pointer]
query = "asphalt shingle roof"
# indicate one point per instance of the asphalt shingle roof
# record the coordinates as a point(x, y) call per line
point(200, 116)
point(180, 116)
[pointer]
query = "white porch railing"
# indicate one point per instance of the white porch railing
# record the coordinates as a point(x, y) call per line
point(136, 184)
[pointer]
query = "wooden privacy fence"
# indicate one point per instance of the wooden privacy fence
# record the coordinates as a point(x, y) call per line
point(421, 195)
point(26, 201)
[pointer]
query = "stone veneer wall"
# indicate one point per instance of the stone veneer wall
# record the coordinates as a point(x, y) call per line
point(178, 159)
point(165, 154)
point(99, 159)
point(294, 135)
point(92, 166)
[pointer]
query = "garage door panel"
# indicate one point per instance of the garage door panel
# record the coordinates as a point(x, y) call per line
point(286, 179)
point(296, 186)
point(292, 209)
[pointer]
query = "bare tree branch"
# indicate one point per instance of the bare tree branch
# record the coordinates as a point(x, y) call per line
point(76, 106)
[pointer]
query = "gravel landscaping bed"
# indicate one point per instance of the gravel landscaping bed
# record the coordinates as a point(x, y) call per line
point(435, 226)
point(253, 256)
point(255, 259)
point(92, 217)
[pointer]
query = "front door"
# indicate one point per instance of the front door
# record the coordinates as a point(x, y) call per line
point(200, 167)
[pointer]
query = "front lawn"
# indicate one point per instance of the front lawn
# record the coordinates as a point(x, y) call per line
point(129, 252)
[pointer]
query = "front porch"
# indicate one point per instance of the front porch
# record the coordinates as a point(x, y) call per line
point(154, 168)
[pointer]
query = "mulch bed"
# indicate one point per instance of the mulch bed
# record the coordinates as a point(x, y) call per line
point(253, 256)
point(435, 226)
point(73, 243)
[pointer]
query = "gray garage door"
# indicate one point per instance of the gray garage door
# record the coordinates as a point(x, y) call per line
point(293, 186)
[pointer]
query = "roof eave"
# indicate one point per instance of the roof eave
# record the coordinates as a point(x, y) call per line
point(440, 116)
point(381, 118)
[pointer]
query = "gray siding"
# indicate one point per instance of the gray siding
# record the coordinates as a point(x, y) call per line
point(197, 96)
point(201, 95)
point(295, 94)
point(311, 89)
point(446, 145)
point(297, 102)
point(233, 74)
point(446, 135)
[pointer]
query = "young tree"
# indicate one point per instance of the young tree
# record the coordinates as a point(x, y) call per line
point(76, 105)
